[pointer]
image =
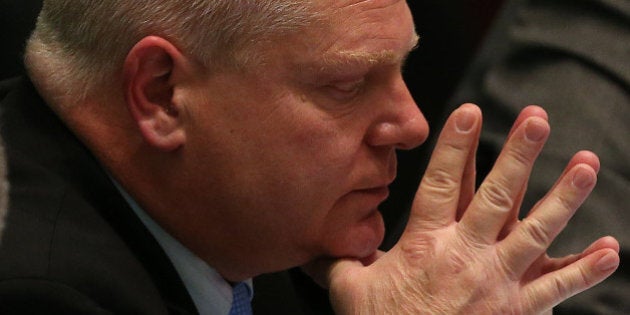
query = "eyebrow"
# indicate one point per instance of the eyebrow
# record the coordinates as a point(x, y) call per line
point(342, 59)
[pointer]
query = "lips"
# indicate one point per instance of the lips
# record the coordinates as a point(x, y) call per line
point(377, 192)
point(374, 190)
point(373, 196)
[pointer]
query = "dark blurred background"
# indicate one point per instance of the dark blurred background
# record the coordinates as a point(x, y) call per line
point(17, 18)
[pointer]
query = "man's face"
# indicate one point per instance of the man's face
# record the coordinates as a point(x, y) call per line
point(292, 158)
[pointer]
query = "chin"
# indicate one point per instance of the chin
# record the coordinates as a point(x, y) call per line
point(360, 240)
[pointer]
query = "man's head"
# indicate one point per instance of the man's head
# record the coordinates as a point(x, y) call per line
point(266, 166)
point(85, 42)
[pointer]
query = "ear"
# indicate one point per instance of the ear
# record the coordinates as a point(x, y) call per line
point(150, 75)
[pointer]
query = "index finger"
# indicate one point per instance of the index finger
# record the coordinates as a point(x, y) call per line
point(437, 198)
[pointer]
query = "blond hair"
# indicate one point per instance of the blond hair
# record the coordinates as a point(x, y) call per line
point(79, 45)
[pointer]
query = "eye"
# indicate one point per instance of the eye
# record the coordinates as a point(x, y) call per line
point(345, 90)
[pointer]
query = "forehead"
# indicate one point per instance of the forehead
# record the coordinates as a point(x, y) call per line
point(363, 4)
point(355, 34)
point(372, 30)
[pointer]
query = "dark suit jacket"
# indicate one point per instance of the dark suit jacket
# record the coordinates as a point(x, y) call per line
point(72, 245)
point(573, 58)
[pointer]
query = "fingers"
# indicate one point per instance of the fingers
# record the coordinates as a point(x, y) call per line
point(498, 195)
point(529, 111)
point(582, 157)
point(438, 196)
point(559, 263)
point(604, 242)
point(467, 191)
point(533, 235)
point(469, 179)
point(585, 157)
point(555, 287)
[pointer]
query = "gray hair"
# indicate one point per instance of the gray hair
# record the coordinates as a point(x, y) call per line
point(79, 45)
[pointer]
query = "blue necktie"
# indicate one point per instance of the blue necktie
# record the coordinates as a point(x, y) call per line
point(241, 304)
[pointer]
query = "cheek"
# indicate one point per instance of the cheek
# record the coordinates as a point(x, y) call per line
point(317, 151)
point(303, 185)
point(289, 170)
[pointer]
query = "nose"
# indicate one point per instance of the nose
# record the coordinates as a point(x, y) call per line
point(401, 124)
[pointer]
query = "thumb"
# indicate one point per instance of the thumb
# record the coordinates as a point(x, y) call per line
point(325, 271)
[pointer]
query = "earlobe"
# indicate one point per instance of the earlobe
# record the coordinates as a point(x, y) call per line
point(149, 81)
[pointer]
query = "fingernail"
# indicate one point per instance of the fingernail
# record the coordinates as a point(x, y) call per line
point(608, 262)
point(583, 178)
point(535, 130)
point(465, 120)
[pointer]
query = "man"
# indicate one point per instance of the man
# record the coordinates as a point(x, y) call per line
point(243, 138)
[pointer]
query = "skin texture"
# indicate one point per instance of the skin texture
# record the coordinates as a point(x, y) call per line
point(485, 262)
point(273, 167)
point(285, 164)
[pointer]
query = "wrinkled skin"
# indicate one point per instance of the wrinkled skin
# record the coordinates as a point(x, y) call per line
point(467, 253)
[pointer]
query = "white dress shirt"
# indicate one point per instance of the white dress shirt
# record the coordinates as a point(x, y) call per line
point(209, 291)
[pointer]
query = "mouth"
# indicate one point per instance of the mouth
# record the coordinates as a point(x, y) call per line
point(381, 192)
point(373, 196)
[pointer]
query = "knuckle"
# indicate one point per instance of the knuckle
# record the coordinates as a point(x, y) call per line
point(561, 287)
point(456, 148)
point(566, 202)
point(496, 195)
point(458, 261)
point(441, 183)
point(417, 248)
point(537, 233)
point(520, 156)
point(572, 283)
point(584, 280)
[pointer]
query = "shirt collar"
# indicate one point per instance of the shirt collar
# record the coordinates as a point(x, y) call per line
point(208, 290)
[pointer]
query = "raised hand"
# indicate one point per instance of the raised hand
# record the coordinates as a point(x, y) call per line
point(466, 252)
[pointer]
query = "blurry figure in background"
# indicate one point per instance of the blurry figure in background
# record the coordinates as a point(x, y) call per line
point(573, 57)
point(4, 189)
